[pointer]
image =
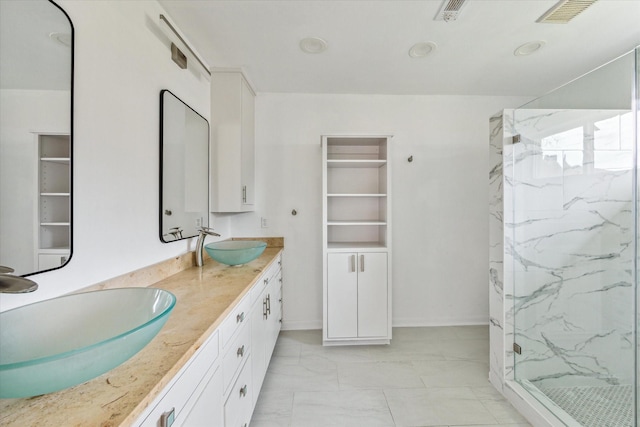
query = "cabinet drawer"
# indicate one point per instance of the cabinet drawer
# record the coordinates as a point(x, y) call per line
point(266, 278)
point(237, 408)
point(186, 382)
point(238, 317)
point(235, 355)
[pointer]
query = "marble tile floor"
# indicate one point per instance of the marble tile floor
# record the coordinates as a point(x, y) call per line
point(433, 376)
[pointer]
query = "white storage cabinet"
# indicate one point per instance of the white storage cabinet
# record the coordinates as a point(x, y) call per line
point(356, 195)
point(54, 200)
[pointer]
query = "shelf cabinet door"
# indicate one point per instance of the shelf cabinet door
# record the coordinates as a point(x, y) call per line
point(342, 295)
point(258, 343)
point(372, 295)
point(232, 143)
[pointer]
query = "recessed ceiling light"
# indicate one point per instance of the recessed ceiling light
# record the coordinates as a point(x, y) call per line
point(62, 38)
point(313, 45)
point(529, 48)
point(422, 49)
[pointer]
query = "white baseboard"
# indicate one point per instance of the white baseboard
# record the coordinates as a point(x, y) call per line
point(421, 322)
point(298, 325)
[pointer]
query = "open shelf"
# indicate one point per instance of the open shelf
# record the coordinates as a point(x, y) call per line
point(54, 200)
point(356, 222)
point(350, 246)
point(355, 163)
point(357, 195)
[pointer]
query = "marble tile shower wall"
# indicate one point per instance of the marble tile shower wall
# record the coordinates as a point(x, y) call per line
point(568, 233)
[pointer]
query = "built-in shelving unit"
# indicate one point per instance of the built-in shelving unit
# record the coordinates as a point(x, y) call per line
point(54, 200)
point(357, 226)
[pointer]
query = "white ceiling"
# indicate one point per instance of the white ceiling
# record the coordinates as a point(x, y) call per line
point(368, 44)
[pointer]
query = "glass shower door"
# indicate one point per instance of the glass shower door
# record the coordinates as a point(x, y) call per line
point(572, 240)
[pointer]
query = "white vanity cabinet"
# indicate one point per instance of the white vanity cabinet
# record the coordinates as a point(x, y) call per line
point(195, 392)
point(232, 142)
point(236, 364)
point(357, 223)
point(265, 322)
point(219, 385)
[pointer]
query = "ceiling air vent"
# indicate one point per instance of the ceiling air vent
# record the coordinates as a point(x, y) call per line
point(450, 10)
point(564, 11)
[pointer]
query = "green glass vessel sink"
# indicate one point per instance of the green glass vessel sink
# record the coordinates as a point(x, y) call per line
point(235, 252)
point(58, 343)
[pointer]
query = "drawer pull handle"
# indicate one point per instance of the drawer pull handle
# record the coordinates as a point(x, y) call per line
point(167, 419)
point(240, 317)
point(243, 391)
point(266, 281)
point(240, 351)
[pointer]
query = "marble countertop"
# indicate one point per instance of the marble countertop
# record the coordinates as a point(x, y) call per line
point(117, 398)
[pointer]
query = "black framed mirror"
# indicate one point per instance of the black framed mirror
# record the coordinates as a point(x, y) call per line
point(184, 169)
point(36, 136)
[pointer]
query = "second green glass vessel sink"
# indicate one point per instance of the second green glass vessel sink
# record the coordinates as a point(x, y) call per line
point(58, 343)
point(235, 252)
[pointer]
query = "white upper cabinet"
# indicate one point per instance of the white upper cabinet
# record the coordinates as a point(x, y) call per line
point(232, 143)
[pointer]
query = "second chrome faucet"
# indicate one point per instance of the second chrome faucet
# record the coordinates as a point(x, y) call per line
point(204, 232)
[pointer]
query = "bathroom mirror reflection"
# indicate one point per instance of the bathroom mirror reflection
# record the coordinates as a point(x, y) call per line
point(36, 92)
point(184, 169)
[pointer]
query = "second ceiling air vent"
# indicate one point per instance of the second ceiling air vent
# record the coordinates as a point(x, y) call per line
point(564, 11)
point(449, 10)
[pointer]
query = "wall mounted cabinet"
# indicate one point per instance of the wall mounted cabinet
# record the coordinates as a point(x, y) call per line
point(54, 200)
point(232, 142)
point(356, 240)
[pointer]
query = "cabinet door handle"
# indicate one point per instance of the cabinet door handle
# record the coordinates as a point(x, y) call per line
point(269, 304)
point(243, 391)
point(240, 351)
point(265, 314)
point(361, 262)
point(244, 194)
point(353, 263)
point(240, 317)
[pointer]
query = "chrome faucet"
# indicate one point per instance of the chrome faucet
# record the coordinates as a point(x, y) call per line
point(10, 284)
point(204, 232)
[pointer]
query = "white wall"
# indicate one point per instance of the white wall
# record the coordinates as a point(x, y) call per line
point(440, 229)
point(122, 61)
point(440, 200)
